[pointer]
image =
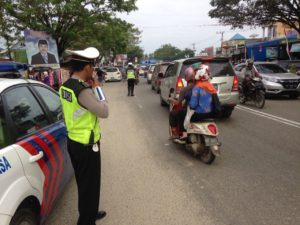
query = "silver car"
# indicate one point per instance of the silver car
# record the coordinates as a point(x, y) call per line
point(223, 78)
point(276, 80)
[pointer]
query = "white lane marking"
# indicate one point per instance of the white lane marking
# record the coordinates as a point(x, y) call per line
point(270, 116)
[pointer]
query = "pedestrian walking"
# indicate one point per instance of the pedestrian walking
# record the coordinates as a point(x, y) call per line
point(81, 112)
point(130, 79)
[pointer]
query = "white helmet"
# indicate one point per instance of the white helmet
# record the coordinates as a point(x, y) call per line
point(130, 64)
point(202, 73)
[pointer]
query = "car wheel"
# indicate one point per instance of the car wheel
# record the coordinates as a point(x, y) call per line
point(226, 112)
point(162, 102)
point(24, 216)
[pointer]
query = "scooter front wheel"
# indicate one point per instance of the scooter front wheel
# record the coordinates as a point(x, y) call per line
point(242, 98)
point(207, 157)
point(260, 99)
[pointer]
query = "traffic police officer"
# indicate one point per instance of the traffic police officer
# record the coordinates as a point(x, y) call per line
point(81, 110)
point(130, 79)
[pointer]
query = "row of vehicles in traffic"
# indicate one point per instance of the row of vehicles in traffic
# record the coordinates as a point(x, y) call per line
point(168, 78)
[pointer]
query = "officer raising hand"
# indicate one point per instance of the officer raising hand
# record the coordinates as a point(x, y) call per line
point(82, 110)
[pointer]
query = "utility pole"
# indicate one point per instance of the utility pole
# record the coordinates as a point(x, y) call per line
point(194, 48)
point(222, 36)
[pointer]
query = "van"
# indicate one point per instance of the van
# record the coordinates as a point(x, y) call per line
point(223, 79)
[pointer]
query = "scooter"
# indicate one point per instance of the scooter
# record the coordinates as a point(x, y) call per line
point(202, 139)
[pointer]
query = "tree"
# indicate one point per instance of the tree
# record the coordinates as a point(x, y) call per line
point(167, 52)
point(239, 13)
point(63, 19)
point(134, 51)
point(8, 31)
point(186, 53)
point(111, 37)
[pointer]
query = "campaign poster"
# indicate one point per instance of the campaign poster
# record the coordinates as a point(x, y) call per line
point(41, 49)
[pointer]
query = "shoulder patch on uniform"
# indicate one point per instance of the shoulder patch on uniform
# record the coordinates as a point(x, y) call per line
point(67, 95)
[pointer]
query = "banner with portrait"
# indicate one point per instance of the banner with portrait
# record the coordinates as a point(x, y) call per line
point(42, 55)
point(41, 49)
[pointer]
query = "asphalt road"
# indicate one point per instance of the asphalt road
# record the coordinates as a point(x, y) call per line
point(148, 180)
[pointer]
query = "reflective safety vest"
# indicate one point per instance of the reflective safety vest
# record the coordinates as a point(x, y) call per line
point(82, 125)
point(130, 74)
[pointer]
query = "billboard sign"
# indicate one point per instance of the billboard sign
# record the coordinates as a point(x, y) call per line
point(41, 49)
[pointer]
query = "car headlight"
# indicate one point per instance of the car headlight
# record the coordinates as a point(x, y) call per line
point(271, 79)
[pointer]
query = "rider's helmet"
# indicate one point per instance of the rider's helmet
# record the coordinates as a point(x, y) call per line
point(202, 73)
point(189, 75)
point(249, 62)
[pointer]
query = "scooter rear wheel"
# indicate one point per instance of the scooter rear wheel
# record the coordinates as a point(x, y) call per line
point(207, 157)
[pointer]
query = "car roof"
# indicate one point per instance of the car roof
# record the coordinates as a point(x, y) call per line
point(257, 63)
point(197, 58)
point(7, 82)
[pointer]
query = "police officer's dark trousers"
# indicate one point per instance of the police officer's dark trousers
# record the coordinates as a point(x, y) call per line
point(130, 83)
point(87, 167)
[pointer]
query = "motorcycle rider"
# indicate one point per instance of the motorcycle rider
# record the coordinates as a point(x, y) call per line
point(177, 116)
point(249, 73)
point(202, 95)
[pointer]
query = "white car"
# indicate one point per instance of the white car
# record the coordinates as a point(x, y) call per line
point(150, 73)
point(34, 162)
point(112, 74)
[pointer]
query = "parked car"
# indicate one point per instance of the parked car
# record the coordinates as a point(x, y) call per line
point(222, 77)
point(149, 73)
point(11, 69)
point(34, 162)
point(157, 75)
point(276, 80)
point(112, 74)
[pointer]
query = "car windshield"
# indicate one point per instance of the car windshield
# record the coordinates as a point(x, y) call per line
point(111, 69)
point(269, 68)
point(217, 68)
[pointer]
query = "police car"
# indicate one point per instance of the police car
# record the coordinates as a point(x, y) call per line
point(34, 162)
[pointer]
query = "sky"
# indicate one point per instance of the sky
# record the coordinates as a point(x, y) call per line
point(181, 23)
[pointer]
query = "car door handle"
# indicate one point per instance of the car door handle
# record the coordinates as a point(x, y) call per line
point(36, 158)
